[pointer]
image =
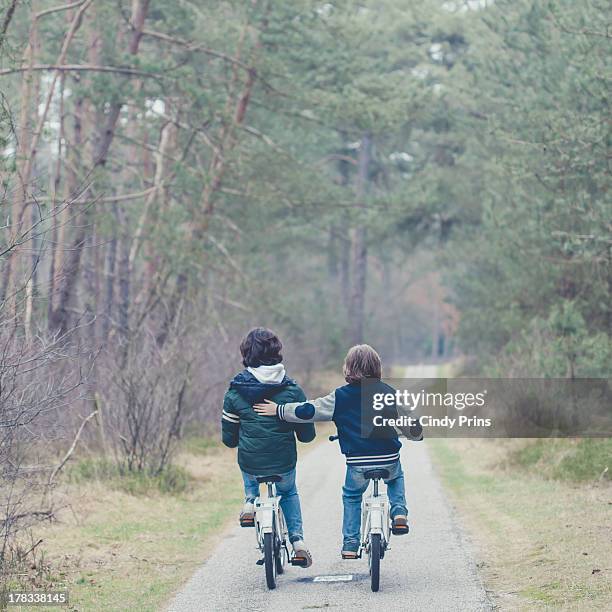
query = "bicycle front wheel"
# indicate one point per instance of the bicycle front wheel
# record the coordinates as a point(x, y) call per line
point(375, 551)
point(269, 560)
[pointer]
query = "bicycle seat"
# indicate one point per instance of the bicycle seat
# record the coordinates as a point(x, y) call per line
point(374, 474)
point(266, 479)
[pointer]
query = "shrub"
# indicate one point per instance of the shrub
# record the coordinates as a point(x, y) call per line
point(582, 460)
point(172, 480)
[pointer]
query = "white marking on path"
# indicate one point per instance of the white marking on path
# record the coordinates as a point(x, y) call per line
point(338, 578)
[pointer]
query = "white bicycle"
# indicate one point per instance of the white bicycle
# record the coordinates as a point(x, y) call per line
point(271, 532)
point(375, 523)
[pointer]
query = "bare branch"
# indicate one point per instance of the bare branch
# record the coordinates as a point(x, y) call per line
point(196, 47)
point(57, 9)
point(7, 20)
point(72, 447)
point(82, 68)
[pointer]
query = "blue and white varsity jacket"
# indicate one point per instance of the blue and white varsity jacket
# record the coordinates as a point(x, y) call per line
point(343, 407)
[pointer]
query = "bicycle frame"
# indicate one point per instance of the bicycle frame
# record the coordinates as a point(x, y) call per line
point(271, 534)
point(268, 517)
point(375, 524)
point(375, 516)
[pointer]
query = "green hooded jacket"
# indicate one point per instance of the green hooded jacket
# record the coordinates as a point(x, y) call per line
point(265, 444)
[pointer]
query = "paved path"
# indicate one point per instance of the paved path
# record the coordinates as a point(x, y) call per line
point(430, 569)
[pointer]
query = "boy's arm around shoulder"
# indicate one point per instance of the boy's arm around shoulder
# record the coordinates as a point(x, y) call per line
point(230, 423)
point(304, 432)
point(413, 433)
point(309, 411)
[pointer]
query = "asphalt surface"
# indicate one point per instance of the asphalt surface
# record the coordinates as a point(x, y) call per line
point(429, 569)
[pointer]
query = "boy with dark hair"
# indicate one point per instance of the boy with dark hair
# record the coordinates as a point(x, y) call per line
point(265, 450)
point(343, 406)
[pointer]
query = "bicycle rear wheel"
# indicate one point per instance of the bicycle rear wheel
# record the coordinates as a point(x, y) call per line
point(375, 551)
point(280, 557)
point(270, 560)
point(280, 543)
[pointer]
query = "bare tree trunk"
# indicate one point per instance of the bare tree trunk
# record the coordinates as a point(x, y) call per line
point(342, 241)
point(166, 132)
point(89, 285)
point(8, 16)
point(360, 247)
point(58, 217)
point(345, 270)
point(111, 259)
point(9, 284)
point(237, 104)
point(435, 326)
point(59, 320)
point(339, 261)
point(609, 307)
point(124, 275)
point(227, 138)
point(31, 286)
point(332, 251)
point(29, 152)
point(387, 345)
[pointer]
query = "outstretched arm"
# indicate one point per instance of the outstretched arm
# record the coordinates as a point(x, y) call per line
point(320, 409)
point(414, 432)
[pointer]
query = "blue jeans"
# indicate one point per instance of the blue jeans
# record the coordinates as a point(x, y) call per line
point(352, 492)
point(290, 501)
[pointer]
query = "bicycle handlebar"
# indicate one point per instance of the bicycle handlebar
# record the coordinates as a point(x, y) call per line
point(333, 438)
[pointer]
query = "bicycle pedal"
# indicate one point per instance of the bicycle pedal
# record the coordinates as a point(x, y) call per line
point(399, 532)
point(260, 562)
point(358, 556)
point(299, 561)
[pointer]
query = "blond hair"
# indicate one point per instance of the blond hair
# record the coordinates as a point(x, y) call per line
point(362, 361)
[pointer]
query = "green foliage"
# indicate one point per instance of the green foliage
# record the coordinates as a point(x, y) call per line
point(556, 347)
point(199, 445)
point(533, 277)
point(173, 480)
point(491, 136)
point(573, 460)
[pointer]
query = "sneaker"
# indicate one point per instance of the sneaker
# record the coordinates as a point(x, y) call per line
point(247, 516)
point(399, 525)
point(301, 554)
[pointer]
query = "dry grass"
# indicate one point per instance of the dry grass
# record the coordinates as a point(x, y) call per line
point(542, 543)
point(114, 550)
point(117, 551)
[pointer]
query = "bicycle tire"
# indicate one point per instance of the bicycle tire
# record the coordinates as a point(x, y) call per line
point(269, 560)
point(281, 554)
point(375, 550)
point(279, 557)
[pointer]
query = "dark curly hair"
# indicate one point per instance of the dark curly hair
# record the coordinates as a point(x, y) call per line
point(261, 347)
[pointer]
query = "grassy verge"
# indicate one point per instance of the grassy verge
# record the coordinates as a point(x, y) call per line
point(540, 514)
point(584, 460)
point(128, 542)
